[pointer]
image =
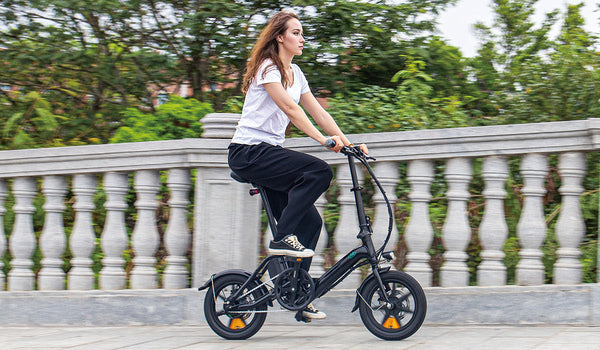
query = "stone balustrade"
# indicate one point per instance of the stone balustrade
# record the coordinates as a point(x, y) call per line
point(226, 225)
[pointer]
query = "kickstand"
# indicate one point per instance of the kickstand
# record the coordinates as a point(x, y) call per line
point(301, 318)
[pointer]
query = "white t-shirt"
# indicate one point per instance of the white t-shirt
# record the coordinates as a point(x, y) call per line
point(262, 120)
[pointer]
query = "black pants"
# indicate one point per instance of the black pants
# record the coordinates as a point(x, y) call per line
point(293, 182)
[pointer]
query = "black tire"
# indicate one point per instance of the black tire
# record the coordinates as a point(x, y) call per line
point(408, 311)
point(232, 325)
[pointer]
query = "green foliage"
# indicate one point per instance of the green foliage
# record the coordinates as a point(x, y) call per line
point(411, 106)
point(177, 119)
point(531, 78)
point(30, 123)
point(351, 44)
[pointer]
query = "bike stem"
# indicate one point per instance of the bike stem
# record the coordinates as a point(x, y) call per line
point(365, 227)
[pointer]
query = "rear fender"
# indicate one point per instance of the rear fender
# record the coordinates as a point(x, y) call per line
point(218, 275)
point(239, 272)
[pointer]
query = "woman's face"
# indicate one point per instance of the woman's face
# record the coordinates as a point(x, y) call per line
point(292, 40)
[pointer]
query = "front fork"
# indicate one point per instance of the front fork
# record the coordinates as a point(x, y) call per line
point(365, 236)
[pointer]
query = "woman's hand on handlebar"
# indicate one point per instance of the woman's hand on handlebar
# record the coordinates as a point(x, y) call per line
point(334, 143)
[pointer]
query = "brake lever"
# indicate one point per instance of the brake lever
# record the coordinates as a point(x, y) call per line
point(361, 154)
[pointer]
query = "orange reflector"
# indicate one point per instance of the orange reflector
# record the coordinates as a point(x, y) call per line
point(236, 323)
point(391, 322)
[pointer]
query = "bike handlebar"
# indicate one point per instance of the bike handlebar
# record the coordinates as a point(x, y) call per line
point(330, 143)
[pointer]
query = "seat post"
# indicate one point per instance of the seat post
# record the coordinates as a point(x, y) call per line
point(268, 210)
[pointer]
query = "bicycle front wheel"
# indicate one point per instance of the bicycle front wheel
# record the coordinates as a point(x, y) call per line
point(405, 313)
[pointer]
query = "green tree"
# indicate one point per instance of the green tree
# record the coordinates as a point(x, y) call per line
point(531, 78)
point(352, 44)
point(30, 123)
point(80, 57)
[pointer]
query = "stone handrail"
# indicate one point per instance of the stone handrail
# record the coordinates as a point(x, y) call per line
point(226, 226)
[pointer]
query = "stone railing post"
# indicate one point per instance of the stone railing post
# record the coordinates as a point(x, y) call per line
point(177, 236)
point(226, 224)
point(531, 229)
point(22, 239)
point(53, 240)
point(81, 276)
point(570, 227)
point(347, 228)
point(3, 194)
point(226, 218)
point(419, 232)
point(387, 173)
point(114, 235)
point(145, 238)
point(493, 230)
point(456, 230)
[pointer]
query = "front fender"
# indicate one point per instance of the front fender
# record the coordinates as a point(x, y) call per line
point(362, 286)
point(223, 273)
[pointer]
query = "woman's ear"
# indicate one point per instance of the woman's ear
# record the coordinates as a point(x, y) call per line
point(280, 38)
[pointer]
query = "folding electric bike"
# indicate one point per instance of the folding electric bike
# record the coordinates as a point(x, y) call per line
point(391, 303)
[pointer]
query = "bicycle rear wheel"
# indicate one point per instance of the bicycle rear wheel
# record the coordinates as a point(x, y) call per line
point(406, 313)
point(232, 324)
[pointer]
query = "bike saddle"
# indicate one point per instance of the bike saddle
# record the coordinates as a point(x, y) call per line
point(238, 178)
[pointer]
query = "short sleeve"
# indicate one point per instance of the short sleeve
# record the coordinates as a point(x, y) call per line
point(272, 76)
point(305, 87)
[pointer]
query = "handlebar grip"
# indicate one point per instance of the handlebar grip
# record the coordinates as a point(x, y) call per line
point(330, 143)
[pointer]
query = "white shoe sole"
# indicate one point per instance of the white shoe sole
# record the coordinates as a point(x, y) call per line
point(306, 253)
point(317, 316)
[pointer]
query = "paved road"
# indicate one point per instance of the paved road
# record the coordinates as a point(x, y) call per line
point(302, 336)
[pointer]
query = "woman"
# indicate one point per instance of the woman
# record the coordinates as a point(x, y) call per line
point(293, 181)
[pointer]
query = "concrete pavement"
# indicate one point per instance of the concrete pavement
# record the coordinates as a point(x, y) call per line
point(300, 336)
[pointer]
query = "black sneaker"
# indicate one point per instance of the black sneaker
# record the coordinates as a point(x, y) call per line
point(311, 312)
point(290, 246)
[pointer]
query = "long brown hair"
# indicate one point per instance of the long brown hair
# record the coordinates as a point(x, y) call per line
point(266, 47)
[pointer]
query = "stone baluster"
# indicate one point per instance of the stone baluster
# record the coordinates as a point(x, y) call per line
point(493, 230)
point(456, 230)
point(114, 235)
point(145, 238)
point(3, 194)
point(177, 236)
point(316, 267)
point(22, 239)
point(419, 232)
point(531, 228)
point(347, 228)
point(81, 276)
point(53, 240)
point(387, 173)
point(570, 227)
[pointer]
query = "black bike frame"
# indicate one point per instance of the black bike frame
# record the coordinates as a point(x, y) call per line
point(365, 254)
point(360, 256)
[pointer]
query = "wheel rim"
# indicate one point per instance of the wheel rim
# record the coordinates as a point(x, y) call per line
point(231, 320)
point(400, 313)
